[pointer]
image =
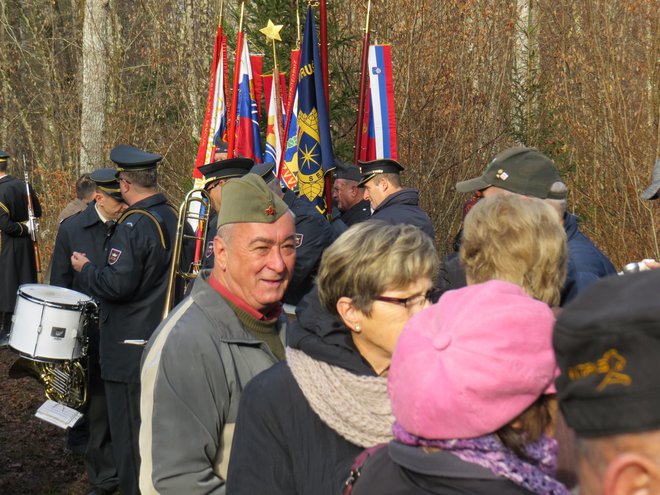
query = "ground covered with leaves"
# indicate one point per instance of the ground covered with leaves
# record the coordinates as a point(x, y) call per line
point(33, 454)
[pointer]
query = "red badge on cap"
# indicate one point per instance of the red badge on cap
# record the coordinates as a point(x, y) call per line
point(270, 211)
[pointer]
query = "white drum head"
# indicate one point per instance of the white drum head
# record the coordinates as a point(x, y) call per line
point(53, 294)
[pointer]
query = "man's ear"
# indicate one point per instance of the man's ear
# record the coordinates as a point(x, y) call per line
point(220, 253)
point(351, 316)
point(631, 474)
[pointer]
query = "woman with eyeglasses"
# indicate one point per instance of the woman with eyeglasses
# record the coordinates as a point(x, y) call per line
point(301, 423)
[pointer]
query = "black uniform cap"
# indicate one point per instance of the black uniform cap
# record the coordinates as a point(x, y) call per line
point(265, 170)
point(346, 171)
point(607, 343)
point(225, 169)
point(106, 181)
point(369, 170)
point(131, 159)
point(4, 156)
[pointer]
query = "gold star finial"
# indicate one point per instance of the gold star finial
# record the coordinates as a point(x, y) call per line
point(272, 31)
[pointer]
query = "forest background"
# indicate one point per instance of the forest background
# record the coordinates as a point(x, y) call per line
point(578, 79)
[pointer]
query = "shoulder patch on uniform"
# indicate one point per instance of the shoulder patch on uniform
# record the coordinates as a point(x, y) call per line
point(299, 239)
point(209, 249)
point(113, 256)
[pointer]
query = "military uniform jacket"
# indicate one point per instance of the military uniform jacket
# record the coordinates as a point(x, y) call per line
point(403, 207)
point(357, 213)
point(17, 265)
point(83, 232)
point(132, 284)
point(313, 234)
point(212, 229)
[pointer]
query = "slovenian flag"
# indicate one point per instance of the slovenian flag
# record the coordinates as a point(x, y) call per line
point(379, 138)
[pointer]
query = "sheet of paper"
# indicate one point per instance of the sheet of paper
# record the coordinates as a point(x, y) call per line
point(58, 414)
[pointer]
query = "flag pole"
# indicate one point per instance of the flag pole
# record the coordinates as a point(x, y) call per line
point(363, 87)
point(323, 18)
point(234, 96)
point(272, 32)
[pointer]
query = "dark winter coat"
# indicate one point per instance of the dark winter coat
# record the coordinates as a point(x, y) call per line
point(403, 207)
point(84, 232)
point(399, 469)
point(17, 260)
point(589, 262)
point(280, 445)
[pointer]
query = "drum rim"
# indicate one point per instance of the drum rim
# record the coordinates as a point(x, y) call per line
point(72, 306)
point(44, 359)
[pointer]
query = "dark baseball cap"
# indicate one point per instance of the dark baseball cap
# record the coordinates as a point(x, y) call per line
point(520, 170)
point(607, 344)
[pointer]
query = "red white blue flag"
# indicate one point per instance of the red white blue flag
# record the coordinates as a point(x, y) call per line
point(248, 137)
point(379, 138)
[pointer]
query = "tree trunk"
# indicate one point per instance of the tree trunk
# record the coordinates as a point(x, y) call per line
point(94, 84)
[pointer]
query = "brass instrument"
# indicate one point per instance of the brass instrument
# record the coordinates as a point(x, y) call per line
point(181, 268)
point(53, 346)
point(64, 382)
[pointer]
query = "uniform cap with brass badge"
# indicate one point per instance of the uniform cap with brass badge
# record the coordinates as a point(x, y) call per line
point(131, 159)
point(4, 156)
point(248, 199)
point(368, 170)
point(607, 343)
point(225, 169)
point(520, 170)
point(106, 181)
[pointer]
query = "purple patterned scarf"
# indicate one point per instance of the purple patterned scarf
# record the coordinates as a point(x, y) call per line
point(535, 474)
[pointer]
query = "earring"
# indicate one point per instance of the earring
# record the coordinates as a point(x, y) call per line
point(358, 328)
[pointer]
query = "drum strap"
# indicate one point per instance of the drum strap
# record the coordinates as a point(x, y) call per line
point(156, 219)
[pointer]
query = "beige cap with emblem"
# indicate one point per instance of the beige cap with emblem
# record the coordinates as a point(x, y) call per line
point(248, 199)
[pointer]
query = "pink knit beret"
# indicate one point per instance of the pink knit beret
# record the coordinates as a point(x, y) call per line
point(473, 362)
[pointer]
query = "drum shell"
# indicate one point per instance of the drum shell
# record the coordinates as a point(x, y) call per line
point(46, 331)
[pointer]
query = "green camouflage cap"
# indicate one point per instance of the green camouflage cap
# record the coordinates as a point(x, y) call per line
point(248, 199)
point(520, 170)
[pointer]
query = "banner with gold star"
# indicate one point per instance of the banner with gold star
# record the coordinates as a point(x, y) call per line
point(315, 154)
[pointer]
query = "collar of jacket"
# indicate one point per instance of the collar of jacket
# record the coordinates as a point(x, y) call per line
point(442, 464)
point(146, 203)
point(324, 337)
point(216, 309)
point(406, 196)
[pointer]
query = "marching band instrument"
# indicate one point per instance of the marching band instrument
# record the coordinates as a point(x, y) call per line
point(49, 334)
point(196, 208)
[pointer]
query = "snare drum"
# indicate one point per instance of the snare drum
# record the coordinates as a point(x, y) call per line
point(48, 323)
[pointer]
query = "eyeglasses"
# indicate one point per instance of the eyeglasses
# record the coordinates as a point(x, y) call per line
point(431, 295)
point(123, 179)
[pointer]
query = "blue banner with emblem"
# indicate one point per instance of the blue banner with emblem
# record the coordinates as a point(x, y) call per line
point(315, 154)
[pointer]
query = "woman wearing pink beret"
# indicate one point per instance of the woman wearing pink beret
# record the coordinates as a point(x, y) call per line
point(472, 377)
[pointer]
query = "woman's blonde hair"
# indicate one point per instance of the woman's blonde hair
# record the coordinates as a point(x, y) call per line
point(517, 239)
point(372, 257)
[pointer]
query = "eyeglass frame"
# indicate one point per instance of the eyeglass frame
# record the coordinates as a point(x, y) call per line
point(432, 295)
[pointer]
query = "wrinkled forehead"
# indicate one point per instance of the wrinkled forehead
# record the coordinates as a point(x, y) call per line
point(280, 229)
